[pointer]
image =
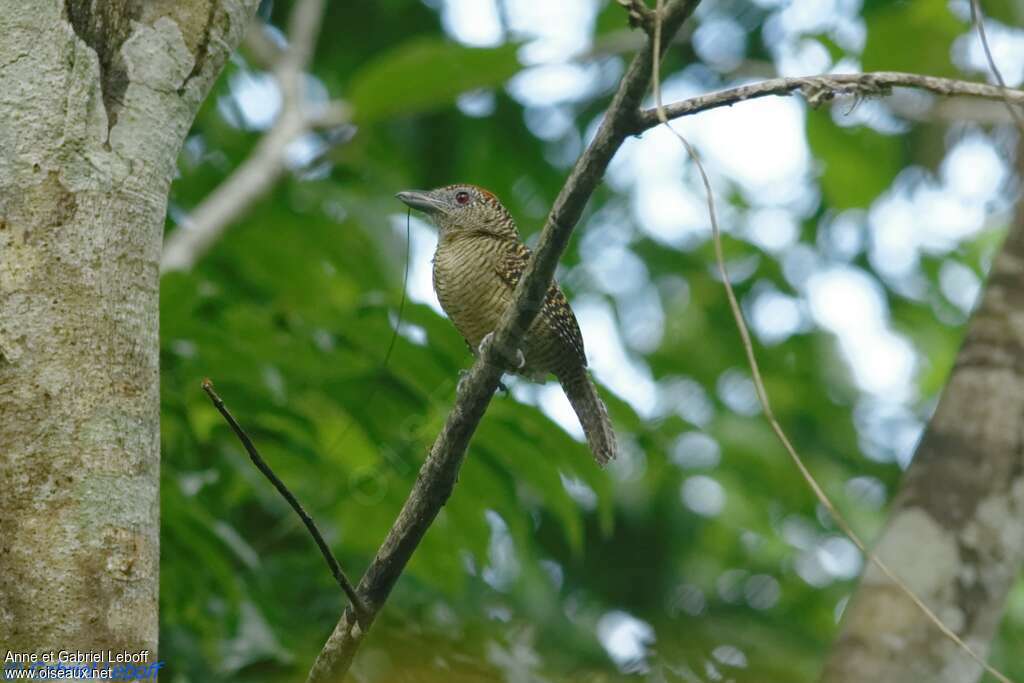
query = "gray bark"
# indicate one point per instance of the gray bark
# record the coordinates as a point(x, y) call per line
point(95, 101)
point(956, 531)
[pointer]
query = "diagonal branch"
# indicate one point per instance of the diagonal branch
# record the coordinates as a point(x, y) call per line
point(819, 89)
point(262, 466)
point(268, 161)
point(437, 477)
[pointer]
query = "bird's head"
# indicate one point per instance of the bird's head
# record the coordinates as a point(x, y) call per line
point(462, 208)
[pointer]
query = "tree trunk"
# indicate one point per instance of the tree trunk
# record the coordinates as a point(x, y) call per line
point(956, 531)
point(95, 101)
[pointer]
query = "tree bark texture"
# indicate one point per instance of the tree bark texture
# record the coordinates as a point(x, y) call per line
point(96, 97)
point(956, 531)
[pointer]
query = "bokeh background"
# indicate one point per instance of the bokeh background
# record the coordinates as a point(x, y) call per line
point(858, 236)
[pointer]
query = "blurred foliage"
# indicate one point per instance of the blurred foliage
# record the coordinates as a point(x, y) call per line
point(540, 567)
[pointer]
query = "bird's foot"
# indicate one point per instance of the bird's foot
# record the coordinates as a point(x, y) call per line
point(464, 375)
point(515, 363)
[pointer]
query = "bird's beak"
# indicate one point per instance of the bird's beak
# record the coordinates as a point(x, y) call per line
point(419, 199)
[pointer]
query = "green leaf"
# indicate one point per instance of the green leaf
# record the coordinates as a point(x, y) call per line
point(425, 74)
point(911, 36)
point(858, 163)
point(1007, 11)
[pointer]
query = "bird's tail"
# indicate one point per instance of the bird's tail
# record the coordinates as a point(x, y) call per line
point(592, 413)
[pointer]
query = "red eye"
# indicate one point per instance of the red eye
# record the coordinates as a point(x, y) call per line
point(462, 198)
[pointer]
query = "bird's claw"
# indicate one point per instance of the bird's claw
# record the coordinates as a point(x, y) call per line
point(515, 363)
point(485, 342)
point(463, 376)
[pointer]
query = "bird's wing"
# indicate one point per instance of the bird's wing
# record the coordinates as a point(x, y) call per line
point(556, 310)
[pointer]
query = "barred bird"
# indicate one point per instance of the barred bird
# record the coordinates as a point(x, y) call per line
point(479, 259)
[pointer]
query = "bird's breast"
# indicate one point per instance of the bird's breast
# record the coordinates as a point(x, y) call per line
point(468, 286)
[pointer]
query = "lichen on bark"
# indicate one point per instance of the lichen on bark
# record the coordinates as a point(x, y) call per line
point(956, 533)
point(96, 98)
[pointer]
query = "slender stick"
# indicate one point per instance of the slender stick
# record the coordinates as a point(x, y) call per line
point(824, 87)
point(979, 23)
point(268, 162)
point(262, 466)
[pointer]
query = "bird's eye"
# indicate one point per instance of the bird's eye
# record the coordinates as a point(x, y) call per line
point(462, 198)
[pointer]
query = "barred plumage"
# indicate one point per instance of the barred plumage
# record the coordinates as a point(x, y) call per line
point(478, 262)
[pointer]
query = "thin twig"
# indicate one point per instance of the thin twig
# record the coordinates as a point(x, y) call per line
point(303, 31)
point(762, 392)
point(818, 89)
point(262, 466)
point(438, 475)
point(979, 22)
point(263, 51)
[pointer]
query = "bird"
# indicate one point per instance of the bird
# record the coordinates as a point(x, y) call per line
point(479, 259)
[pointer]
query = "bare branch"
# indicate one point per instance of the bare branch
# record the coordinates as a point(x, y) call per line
point(819, 89)
point(262, 466)
point(250, 181)
point(268, 161)
point(263, 50)
point(954, 109)
point(437, 476)
point(303, 31)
